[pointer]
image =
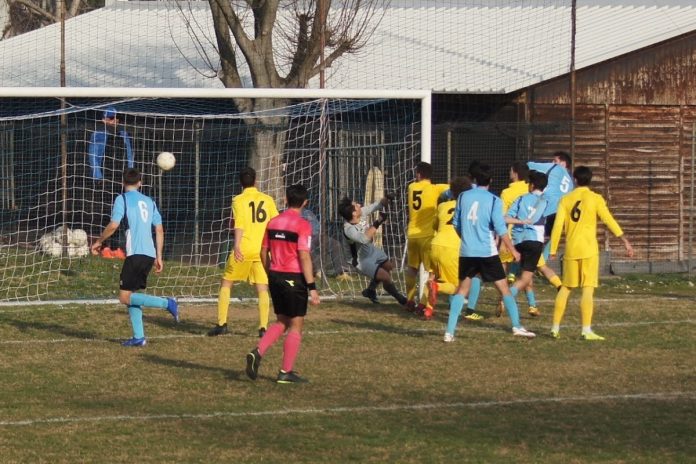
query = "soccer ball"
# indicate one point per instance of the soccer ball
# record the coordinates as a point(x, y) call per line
point(166, 161)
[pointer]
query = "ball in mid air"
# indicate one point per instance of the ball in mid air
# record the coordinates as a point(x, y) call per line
point(166, 161)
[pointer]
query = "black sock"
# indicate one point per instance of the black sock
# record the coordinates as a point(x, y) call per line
point(391, 289)
point(373, 285)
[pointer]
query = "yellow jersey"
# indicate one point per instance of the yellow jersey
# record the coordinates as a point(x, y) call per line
point(251, 211)
point(446, 236)
point(577, 216)
point(422, 207)
point(512, 193)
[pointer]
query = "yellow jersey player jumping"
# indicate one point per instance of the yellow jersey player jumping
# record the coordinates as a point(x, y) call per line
point(577, 219)
point(251, 211)
point(422, 213)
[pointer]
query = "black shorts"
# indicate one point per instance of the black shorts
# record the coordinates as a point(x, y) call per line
point(134, 272)
point(490, 269)
point(530, 251)
point(548, 225)
point(289, 293)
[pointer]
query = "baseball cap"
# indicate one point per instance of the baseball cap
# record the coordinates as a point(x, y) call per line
point(110, 112)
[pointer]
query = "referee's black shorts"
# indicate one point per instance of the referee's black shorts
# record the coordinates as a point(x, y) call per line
point(134, 272)
point(288, 293)
point(490, 268)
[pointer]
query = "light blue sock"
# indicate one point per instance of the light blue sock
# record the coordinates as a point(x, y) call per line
point(474, 292)
point(136, 318)
point(456, 306)
point(511, 308)
point(531, 298)
point(149, 301)
point(547, 250)
point(514, 291)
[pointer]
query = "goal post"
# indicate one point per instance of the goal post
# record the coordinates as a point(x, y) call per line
point(60, 165)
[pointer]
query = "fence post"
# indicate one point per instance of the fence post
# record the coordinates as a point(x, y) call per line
point(691, 198)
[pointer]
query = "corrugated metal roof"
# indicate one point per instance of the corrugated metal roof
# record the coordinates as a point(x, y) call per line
point(452, 46)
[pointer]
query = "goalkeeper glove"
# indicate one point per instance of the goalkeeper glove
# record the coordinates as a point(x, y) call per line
point(380, 221)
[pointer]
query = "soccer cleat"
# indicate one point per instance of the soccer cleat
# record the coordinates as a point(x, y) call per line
point(253, 361)
point(534, 311)
point(218, 330)
point(522, 332)
point(500, 309)
point(107, 253)
point(262, 332)
point(173, 308)
point(433, 289)
point(370, 295)
point(118, 254)
point(428, 313)
point(448, 337)
point(290, 377)
point(135, 342)
point(591, 336)
point(473, 317)
point(410, 306)
point(511, 277)
point(555, 334)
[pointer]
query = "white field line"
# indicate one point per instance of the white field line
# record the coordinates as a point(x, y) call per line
point(396, 331)
point(657, 396)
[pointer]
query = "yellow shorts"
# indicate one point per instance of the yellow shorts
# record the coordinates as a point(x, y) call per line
point(445, 263)
point(542, 261)
point(581, 272)
point(246, 271)
point(419, 252)
point(505, 255)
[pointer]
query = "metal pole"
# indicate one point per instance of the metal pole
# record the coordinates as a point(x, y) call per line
point(449, 155)
point(573, 88)
point(63, 134)
point(691, 199)
point(650, 189)
point(196, 201)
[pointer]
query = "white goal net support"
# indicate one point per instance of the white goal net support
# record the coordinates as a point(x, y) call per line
point(62, 155)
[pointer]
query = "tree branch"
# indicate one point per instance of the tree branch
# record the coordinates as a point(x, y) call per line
point(38, 10)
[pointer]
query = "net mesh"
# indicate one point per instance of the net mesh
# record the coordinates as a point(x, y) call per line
point(62, 162)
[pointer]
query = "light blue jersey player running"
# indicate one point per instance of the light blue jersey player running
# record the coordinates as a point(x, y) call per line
point(478, 218)
point(140, 215)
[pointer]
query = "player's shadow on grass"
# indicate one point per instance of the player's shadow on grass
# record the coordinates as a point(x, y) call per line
point(165, 321)
point(180, 364)
point(387, 328)
point(385, 306)
point(26, 326)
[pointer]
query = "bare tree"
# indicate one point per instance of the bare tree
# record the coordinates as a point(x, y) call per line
point(28, 15)
point(283, 44)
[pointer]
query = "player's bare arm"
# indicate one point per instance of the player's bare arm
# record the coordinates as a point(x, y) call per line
point(106, 233)
point(159, 244)
point(306, 265)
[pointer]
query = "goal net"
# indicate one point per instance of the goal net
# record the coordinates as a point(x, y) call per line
point(62, 157)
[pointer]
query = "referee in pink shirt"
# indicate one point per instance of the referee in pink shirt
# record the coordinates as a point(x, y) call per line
point(288, 239)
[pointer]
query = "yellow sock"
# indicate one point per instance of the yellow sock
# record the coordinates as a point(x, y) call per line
point(223, 304)
point(559, 306)
point(587, 307)
point(410, 287)
point(446, 288)
point(264, 309)
point(555, 281)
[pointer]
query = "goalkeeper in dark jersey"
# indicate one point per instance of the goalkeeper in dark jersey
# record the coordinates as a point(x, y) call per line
point(367, 258)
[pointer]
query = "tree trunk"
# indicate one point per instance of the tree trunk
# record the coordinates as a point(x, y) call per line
point(267, 159)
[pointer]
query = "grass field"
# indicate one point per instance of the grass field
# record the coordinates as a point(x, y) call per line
point(384, 387)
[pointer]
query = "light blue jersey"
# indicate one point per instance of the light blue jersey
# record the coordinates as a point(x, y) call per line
point(560, 183)
point(477, 218)
point(142, 214)
point(529, 206)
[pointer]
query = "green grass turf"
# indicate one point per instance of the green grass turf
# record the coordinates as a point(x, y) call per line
point(384, 387)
